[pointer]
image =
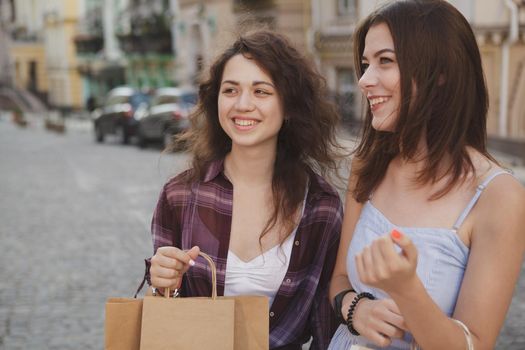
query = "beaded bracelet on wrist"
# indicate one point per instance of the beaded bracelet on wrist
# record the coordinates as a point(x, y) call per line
point(338, 302)
point(349, 318)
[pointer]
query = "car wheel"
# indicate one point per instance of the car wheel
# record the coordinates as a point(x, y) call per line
point(142, 141)
point(99, 134)
point(122, 135)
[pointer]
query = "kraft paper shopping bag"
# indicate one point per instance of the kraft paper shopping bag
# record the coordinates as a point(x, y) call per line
point(156, 323)
point(123, 324)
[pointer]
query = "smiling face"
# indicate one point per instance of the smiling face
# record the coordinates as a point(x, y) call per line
point(380, 82)
point(250, 109)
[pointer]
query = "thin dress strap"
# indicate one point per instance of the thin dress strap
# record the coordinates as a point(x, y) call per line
point(475, 198)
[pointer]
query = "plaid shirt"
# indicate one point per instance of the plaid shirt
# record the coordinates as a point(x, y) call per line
point(201, 214)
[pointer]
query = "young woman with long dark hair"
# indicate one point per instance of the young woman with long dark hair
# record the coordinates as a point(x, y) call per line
point(432, 239)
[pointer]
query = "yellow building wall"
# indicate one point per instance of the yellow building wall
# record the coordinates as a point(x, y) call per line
point(66, 88)
point(495, 14)
point(74, 76)
point(70, 9)
point(291, 20)
point(517, 92)
point(491, 60)
point(23, 54)
point(491, 57)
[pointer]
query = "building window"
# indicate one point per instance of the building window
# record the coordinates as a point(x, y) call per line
point(32, 84)
point(345, 7)
point(253, 4)
point(345, 93)
point(345, 80)
point(13, 10)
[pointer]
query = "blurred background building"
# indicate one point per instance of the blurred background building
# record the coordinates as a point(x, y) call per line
point(23, 70)
point(70, 53)
point(500, 30)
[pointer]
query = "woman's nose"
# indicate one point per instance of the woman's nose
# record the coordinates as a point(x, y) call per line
point(244, 101)
point(368, 79)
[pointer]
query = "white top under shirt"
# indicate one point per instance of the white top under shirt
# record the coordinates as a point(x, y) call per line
point(264, 274)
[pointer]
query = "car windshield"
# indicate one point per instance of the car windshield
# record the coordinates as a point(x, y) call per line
point(113, 100)
point(138, 99)
point(161, 100)
point(190, 98)
point(187, 98)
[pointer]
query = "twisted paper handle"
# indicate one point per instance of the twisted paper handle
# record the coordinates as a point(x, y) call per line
point(213, 277)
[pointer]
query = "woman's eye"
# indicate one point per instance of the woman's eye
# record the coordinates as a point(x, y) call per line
point(228, 90)
point(385, 60)
point(261, 92)
point(364, 66)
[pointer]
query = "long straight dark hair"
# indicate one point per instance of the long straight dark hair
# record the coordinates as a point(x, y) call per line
point(307, 140)
point(438, 56)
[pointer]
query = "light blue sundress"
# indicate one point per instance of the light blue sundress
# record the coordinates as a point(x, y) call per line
point(442, 259)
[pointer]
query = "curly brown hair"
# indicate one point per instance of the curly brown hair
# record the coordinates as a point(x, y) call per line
point(307, 141)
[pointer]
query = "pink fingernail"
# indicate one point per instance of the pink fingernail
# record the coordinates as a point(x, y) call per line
point(396, 234)
point(192, 263)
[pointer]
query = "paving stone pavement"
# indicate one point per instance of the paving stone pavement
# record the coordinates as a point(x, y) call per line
point(74, 228)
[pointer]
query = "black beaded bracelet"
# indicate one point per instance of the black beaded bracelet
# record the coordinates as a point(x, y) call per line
point(349, 321)
point(338, 303)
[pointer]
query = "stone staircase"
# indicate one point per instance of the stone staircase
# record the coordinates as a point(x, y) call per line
point(25, 101)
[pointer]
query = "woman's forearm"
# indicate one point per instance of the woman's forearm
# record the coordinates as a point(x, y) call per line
point(431, 328)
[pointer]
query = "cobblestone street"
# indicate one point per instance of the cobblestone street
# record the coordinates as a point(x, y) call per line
point(74, 229)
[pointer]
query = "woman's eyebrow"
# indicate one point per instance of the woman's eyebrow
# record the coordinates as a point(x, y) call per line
point(233, 82)
point(381, 52)
point(259, 82)
point(254, 83)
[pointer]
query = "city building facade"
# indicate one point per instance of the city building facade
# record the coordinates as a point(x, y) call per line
point(499, 26)
point(203, 28)
point(27, 65)
point(6, 19)
point(500, 31)
point(99, 58)
point(144, 34)
point(68, 51)
point(333, 23)
point(60, 24)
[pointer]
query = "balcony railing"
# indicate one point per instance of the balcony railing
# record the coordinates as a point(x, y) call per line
point(253, 5)
point(146, 43)
point(87, 44)
point(150, 33)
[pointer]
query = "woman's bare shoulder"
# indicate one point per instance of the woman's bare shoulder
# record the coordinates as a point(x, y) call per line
point(501, 207)
point(503, 194)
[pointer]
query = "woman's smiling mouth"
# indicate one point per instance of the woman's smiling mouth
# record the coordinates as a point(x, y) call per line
point(245, 123)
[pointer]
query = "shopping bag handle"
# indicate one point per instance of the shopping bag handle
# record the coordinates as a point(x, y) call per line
point(213, 277)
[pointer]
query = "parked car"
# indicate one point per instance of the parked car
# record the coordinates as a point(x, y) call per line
point(167, 115)
point(119, 114)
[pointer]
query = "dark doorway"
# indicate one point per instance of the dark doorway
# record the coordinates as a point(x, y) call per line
point(32, 83)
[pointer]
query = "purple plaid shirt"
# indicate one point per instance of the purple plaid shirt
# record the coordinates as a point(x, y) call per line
point(201, 213)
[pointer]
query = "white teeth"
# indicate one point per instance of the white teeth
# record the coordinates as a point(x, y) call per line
point(377, 100)
point(244, 122)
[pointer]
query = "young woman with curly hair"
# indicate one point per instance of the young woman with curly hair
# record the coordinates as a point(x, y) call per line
point(255, 199)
